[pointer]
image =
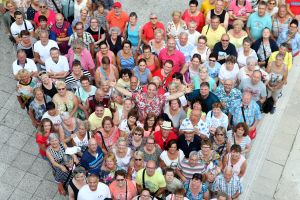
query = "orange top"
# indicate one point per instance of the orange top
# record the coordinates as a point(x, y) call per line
point(118, 21)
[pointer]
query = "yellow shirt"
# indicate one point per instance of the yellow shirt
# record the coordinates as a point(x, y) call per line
point(213, 36)
point(206, 7)
point(237, 42)
point(153, 183)
point(288, 59)
point(96, 122)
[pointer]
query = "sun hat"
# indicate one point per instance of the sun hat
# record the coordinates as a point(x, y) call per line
point(166, 125)
point(186, 126)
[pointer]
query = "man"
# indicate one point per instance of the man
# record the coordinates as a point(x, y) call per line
point(24, 63)
point(94, 190)
point(19, 25)
point(54, 5)
point(57, 66)
point(224, 49)
point(165, 74)
point(53, 114)
point(257, 21)
point(200, 126)
point(150, 178)
point(117, 17)
point(164, 135)
point(42, 49)
point(134, 85)
point(61, 32)
point(171, 53)
point(228, 94)
point(193, 35)
point(172, 182)
point(220, 11)
point(206, 97)
point(93, 100)
point(188, 141)
point(228, 183)
point(92, 159)
point(255, 86)
point(185, 47)
point(284, 51)
point(213, 31)
point(245, 110)
point(95, 119)
point(150, 27)
point(86, 37)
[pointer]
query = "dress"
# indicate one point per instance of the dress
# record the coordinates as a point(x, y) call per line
point(58, 174)
point(65, 107)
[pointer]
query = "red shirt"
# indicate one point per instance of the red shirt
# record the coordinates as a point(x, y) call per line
point(294, 6)
point(165, 80)
point(199, 19)
point(118, 21)
point(158, 138)
point(51, 18)
point(42, 140)
point(148, 30)
point(177, 57)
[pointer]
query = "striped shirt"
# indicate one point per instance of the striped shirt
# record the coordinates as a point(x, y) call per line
point(188, 171)
point(230, 188)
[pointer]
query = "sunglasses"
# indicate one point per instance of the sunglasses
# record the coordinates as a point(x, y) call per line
point(225, 40)
point(138, 134)
point(60, 89)
point(43, 6)
point(138, 159)
point(212, 60)
point(153, 18)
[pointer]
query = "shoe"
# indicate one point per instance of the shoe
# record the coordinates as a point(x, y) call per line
point(273, 110)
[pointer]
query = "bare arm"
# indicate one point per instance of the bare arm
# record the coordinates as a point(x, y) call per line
point(37, 58)
point(121, 90)
point(76, 103)
point(180, 175)
point(243, 169)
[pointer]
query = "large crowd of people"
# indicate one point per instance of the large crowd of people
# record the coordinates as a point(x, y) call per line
point(125, 110)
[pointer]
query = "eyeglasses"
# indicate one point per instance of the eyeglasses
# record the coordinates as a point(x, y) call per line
point(153, 18)
point(120, 180)
point(60, 89)
point(220, 134)
point(150, 143)
point(293, 26)
point(138, 159)
point(225, 40)
point(272, 3)
point(212, 60)
point(138, 134)
point(43, 6)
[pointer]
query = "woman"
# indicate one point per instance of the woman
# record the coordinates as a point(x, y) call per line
point(26, 43)
point(151, 151)
point(8, 16)
point(78, 181)
point(176, 26)
point(152, 61)
point(100, 13)
point(237, 34)
point(106, 71)
point(69, 127)
point(245, 52)
point(107, 136)
point(191, 70)
point(84, 18)
point(240, 136)
point(121, 187)
point(241, 10)
point(54, 115)
point(213, 66)
point(44, 26)
point(278, 73)
point(127, 125)
point(33, 8)
point(124, 79)
point(128, 105)
point(37, 106)
point(108, 169)
point(247, 70)
point(137, 163)
point(236, 160)
point(196, 105)
point(219, 11)
point(105, 52)
point(204, 77)
point(264, 47)
point(64, 100)
point(48, 86)
point(194, 14)
point(229, 70)
point(178, 194)
point(81, 137)
point(44, 10)
point(158, 43)
point(145, 195)
point(150, 125)
point(79, 5)
point(123, 153)
point(202, 49)
point(125, 58)
point(196, 188)
point(175, 112)
point(78, 52)
point(136, 139)
point(216, 118)
point(142, 72)
point(172, 89)
point(114, 40)
point(219, 141)
point(25, 87)
point(171, 156)
point(97, 32)
point(133, 33)
point(46, 127)
point(281, 21)
point(272, 8)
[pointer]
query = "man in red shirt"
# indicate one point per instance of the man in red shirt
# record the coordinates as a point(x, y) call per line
point(149, 28)
point(166, 134)
point(117, 17)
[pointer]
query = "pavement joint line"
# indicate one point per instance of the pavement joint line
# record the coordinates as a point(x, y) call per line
point(274, 162)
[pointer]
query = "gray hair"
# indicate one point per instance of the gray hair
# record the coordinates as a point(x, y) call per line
point(114, 29)
point(183, 34)
point(152, 15)
point(52, 136)
point(67, 159)
point(43, 2)
point(43, 32)
point(77, 43)
point(193, 153)
point(156, 78)
point(65, 115)
point(251, 59)
point(227, 169)
point(279, 56)
point(122, 139)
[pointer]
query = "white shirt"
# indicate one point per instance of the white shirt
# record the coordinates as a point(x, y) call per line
point(193, 37)
point(224, 74)
point(44, 51)
point(56, 120)
point(16, 29)
point(61, 65)
point(171, 163)
point(101, 193)
point(241, 59)
point(29, 65)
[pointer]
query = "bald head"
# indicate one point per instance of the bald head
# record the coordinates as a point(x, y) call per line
point(59, 19)
point(92, 145)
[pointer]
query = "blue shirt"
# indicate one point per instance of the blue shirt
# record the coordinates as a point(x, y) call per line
point(294, 42)
point(235, 94)
point(213, 72)
point(133, 36)
point(206, 103)
point(143, 78)
point(186, 50)
point(91, 163)
point(256, 24)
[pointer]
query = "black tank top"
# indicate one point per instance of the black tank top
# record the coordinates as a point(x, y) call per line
point(75, 189)
point(221, 16)
point(115, 47)
point(51, 92)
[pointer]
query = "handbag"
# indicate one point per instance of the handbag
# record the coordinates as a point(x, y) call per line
point(252, 133)
point(268, 105)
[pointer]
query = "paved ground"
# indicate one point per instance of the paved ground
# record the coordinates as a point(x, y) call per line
point(273, 167)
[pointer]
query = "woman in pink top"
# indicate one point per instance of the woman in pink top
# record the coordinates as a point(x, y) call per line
point(104, 51)
point(239, 9)
point(50, 14)
point(106, 71)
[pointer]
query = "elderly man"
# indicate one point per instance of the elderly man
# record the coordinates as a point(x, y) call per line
point(150, 178)
point(224, 48)
point(19, 25)
point(171, 53)
point(164, 135)
point(93, 100)
point(150, 27)
point(199, 124)
point(57, 66)
point(134, 85)
point(228, 94)
point(188, 141)
point(117, 17)
point(228, 183)
point(61, 32)
point(94, 189)
point(255, 86)
point(92, 159)
point(23, 63)
point(184, 46)
point(95, 119)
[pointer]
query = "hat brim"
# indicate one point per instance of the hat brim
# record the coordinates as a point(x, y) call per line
point(166, 128)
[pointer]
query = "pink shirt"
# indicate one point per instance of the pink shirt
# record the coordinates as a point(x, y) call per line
point(177, 57)
point(51, 18)
point(86, 59)
point(238, 10)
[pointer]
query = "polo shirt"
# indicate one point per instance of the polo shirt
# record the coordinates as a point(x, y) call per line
point(230, 50)
point(29, 65)
point(15, 29)
point(117, 21)
point(148, 30)
point(177, 57)
point(44, 51)
point(61, 65)
point(213, 36)
point(90, 163)
point(102, 192)
point(206, 103)
point(96, 122)
point(158, 138)
point(188, 148)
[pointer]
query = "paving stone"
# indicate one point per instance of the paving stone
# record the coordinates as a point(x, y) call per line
point(3, 112)
point(26, 127)
point(12, 119)
point(31, 146)
point(20, 194)
point(12, 176)
point(6, 133)
point(23, 161)
point(277, 155)
point(4, 97)
point(8, 154)
point(60, 197)
point(40, 167)
point(46, 190)
point(7, 84)
point(260, 196)
point(284, 141)
point(30, 183)
point(271, 170)
point(264, 186)
point(287, 190)
point(3, 168)
point(49, 176)
point(18, 140)
point(5, 190)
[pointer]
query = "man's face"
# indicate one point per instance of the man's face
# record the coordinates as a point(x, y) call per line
point(169, 176)
point(171, 44)
point(59, 20)
point(227, 175)
point(44, 38)
point(168, 68)
point(150, 168)
point(256, 78)
point(93, 183)
point(225, 41)
point(93, 145)
point(133, 83)
point(193, 8)
point(117, 10)
point(152, 91)
point(22, 58)
point(262, 10)
point(183, 40)
point(246, 99)
point(153, 19)
point(215, 23)
point(193, 161)
point(85, 84)
point(204, 91)
point(228, 85)
point(19, 19)
point(99, 111)
point(54, 55)
point(79, 30)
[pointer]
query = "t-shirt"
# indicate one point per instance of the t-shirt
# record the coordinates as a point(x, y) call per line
point(91, 163)
point(153, 183)
point(225, 74)
point(56, 120)
point(44, 51)
point(257, 91)
point(294, 6)
point(29, 65)
point(118, 193)
point(171, 163)
point(213, 36)
point(83, 95)
point(61, 66)
point(118, 21)
point(256, 24)
point(101, 193)
point(96, 122)
point(239, 11)
point(16, 29)
point(220, 51)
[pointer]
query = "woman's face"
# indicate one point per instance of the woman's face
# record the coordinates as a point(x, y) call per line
point(151, 121)
point(127, 105)
point(240, 131)
point(174, 105)
point(114, 34)
point(83, 14)
point(195, 183)
point(205, 149)
point(142, 66)
point(54, 142)
point(201, 44)
point(195, 62)
point(138, 161)
point(246, 46)
point(10, 7)
point(251, 66)
point(62, 90)
point(125, 77)
point(172, 89)
point(104, 49)
point(279, 61)
point(229, 66)
point(282, 12)
point(203, 74)
point(147, 53)
point(132, 20)
point(150, 145)
point(80, 177)
point(131, 120)
point(67, 120)
point(176, 18)
point(266, 33)
point(158, 37)
point(197, 106)
point(43, 8)
point(47, 127)
point(122, 147)
point(105, 87)
point(120, 181)
point(107, 125)
point(39, 95)
point(237, 28)
point(217, 111)
point(25, 78)
point(77, 49)
point(235, 155)
point(94, 23)
point(100, 9)
point(110, 163)
point(76, 69)
point(137, 136)
point(173, 148)
point(126, 48)
point(81, 129)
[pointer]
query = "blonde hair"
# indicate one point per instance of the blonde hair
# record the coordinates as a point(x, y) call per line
point(176, 12)
point(238, 22)
point(84, 9)
point(23, 72)
point(158, 31)
point(84, 123)
point(60, 84)
point(110, 155)
point(35, 90)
